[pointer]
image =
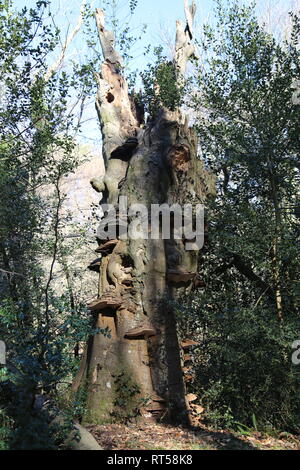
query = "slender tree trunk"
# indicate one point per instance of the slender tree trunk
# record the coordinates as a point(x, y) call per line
point(275, 242)
point(276, 278)
point(152, 164)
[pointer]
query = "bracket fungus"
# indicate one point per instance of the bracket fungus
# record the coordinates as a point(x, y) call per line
point(141, 331)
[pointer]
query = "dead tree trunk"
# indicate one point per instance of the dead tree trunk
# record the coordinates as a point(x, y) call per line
point(149, 164)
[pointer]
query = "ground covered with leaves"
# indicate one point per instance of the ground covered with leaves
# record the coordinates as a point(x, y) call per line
point(164, 437)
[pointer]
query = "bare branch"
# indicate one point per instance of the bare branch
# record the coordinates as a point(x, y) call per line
point(55, 66)
point(10, 272)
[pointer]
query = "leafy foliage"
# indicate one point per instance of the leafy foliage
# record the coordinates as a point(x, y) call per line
point(161, 85)
point(248, 315)
point(128, 399)
point(243, 363)
point(37, 139)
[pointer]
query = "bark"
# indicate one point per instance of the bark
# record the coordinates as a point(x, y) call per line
point(276, 279)
point(152, 164)
point(273, 180)
point(52, 69)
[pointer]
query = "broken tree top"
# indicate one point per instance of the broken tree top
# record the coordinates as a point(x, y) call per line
point(144, 330)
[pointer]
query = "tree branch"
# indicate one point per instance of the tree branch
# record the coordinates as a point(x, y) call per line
point(55, 250)
point(241, 265)
point(10, 272)
point(55, 66)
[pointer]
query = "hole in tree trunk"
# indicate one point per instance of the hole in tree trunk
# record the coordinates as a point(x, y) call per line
point(110, 97)
point(127, 261)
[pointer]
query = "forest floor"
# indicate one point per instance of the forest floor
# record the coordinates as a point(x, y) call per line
point(164, 437)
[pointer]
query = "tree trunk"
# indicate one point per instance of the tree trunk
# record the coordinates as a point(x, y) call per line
point(149, 164)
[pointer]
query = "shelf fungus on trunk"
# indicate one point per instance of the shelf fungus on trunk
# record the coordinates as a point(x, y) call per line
point(141, 331)
point(106, 247)
point(156, 406)
point(108, 301)
point(191, 397)
point(188, 344)
point(187, 358)
point(196, 412)
point(178, 277)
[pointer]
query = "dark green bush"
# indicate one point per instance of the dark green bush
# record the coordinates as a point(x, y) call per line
point(243, 365)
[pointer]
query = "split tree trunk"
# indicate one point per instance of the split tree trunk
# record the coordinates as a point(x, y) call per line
point(149, 164)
